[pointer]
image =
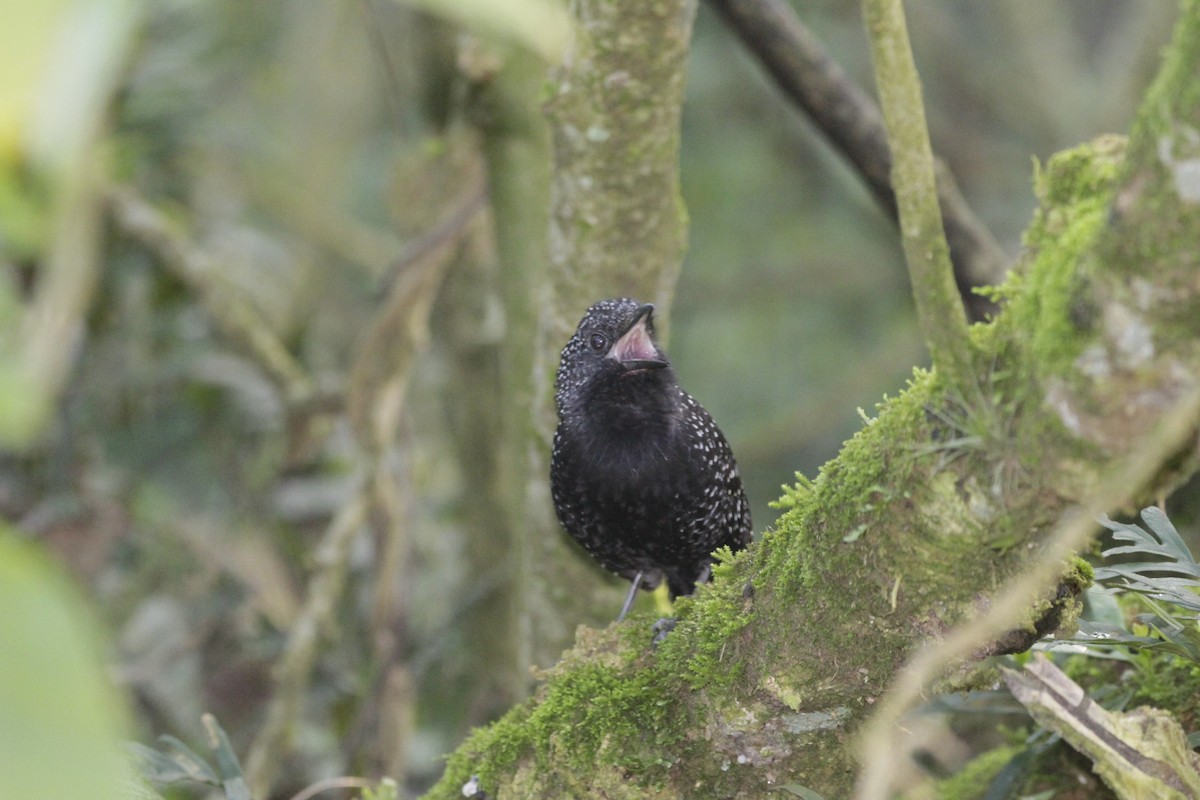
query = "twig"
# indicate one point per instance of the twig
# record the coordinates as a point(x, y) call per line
point(38, 347)
point(387, 66)
point(384, 353)
point(312, 790)
point(379, 377)
point(300, 652)
point(445, 233)
point(880, 755)
point(939, 311)
point(804, 71)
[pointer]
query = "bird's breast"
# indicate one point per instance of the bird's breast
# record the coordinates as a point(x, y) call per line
point(625, 454)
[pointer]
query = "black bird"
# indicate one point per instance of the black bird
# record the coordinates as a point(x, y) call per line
point(640, 474)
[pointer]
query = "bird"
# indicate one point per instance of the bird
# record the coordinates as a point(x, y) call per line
point(640, 474)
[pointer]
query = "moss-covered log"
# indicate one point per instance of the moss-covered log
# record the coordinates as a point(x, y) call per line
point(926, 511)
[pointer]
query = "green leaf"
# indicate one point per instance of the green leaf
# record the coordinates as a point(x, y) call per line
point(1158, 522)
point(386, 790)
point(232, 779)
point(1013, 775)
point(175, 763)
point(178, 762)
point(1164, 543)
point(60, 719)
point(854, 535)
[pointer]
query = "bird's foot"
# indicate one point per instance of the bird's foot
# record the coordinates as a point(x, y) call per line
point(660, 629)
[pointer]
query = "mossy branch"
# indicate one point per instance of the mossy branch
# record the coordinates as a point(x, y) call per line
point(618, 226)
point(941, 316)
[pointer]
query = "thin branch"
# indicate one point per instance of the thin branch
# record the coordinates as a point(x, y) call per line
point(236, 315)
point(444, 234)
point(329, 784)
point(380, 363)
point(941, 317)
point(805, 71)
point(300, 652)
point(880, 754)
point(374, 398)
point(387, 65)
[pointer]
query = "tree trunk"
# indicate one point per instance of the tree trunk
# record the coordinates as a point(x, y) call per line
point(924, 515)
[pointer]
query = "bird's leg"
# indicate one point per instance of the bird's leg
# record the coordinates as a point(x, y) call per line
point(633, 590)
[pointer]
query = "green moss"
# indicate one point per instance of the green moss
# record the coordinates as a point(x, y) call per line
point(1048, 297)
point(1083, 574)
point(710, 625)
point(1154, 231)
point(815, 554)
point(1168, 682)
point(609, 701)
point(487, 752)
point(1080, 174)
point(848, 496)
point(973, 780)
point(1173, 97)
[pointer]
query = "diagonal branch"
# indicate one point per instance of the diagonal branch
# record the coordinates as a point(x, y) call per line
point(805, 71)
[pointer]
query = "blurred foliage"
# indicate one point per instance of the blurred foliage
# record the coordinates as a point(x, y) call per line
point(177, 762)
point(59, 720)
point(540, 25)
point(288, 155)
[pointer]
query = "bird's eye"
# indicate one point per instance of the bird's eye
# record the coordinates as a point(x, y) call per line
point(598, 341)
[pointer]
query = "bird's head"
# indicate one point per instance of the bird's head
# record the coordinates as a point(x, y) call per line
point(612, 358)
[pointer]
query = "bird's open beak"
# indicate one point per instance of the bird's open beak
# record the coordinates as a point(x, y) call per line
point(635, 349)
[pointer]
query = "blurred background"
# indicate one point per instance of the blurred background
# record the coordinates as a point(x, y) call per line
point(255, 171)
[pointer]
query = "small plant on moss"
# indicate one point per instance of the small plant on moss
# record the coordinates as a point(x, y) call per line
point(980, 425)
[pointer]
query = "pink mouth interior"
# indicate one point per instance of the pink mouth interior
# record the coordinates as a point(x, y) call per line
point(635, 345)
